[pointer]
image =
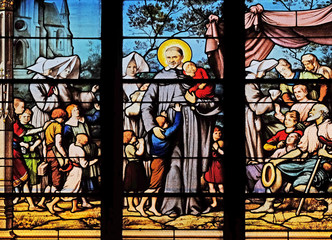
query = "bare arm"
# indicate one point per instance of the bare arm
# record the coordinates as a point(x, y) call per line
point(93, 161)
point(58, 145)
point(140, 147)
point(35, 144)
point(288, 156)
point(32, 131)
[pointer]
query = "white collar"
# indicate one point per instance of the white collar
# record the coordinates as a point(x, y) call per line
point(168, 68)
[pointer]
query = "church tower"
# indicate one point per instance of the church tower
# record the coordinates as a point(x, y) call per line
point(64, 14)
point(41, 29)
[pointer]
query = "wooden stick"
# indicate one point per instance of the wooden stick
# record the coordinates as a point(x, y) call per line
point(307, 189)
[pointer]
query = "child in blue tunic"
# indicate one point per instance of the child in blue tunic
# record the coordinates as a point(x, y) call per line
point(160, 151)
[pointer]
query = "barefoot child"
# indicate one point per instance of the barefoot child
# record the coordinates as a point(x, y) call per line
point(160, 151)
point(214, 176)
point(20, 172)
point(135, 179)
point(74, 177)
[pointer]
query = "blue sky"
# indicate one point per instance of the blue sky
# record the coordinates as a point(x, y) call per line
point(85, 17)
point(197, 44)
point(85, 22)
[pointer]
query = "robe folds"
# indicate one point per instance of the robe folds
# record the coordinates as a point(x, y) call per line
point(190, 153)
point(257, 104)
point(46, 102)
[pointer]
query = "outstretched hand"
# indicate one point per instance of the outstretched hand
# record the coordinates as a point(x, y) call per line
point(177, 107)
point(190, 97)
point(95, 88)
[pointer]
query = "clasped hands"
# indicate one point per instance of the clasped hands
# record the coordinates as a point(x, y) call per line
point(158, 131)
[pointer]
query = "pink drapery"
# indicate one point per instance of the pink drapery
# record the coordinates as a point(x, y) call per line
point(214, 46)
point(264, 29)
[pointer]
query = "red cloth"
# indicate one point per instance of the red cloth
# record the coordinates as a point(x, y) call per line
point(51, 91)
point(20, 170)
point(56, 176)
point(215, 174)
point(292, 29)
point(200, 74)
point(214, 47)
point(282, 135)
point(18, 129)
point(206, 92)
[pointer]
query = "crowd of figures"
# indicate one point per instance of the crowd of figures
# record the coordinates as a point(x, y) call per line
point(288, 130)
point(172, 140)
point(54, 149)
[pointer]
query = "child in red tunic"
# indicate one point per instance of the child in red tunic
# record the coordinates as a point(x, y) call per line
point(20, 170)
point(214, 176)
point(201, 90)
point(278, 140)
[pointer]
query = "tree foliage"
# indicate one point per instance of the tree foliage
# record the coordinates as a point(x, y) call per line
point(168, 18)
point(90, 69)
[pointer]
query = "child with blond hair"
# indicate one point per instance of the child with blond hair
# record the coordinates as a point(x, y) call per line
point(201, 90)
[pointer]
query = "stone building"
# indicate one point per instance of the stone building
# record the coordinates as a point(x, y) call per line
point(40, 28)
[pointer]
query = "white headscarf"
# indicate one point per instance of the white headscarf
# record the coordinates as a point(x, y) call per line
point(57, 65)
point(142, 65)
point(260, 66)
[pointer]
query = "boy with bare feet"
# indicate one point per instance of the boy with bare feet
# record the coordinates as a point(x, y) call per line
point(160, 149)
point(74, 177)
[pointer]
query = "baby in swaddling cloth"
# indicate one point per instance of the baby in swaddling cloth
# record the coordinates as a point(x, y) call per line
point(136, 99)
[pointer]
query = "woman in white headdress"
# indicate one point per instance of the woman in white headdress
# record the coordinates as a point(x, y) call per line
point(48, 96)
point(257, 105)
point(133, 93)
point(258, 69)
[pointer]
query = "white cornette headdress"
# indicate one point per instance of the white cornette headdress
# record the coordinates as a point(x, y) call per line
point(59, 63)
point(261, 66)
point(142, 65)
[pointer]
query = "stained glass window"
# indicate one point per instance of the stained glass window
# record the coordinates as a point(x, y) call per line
point(216, 123)
point(172, 122)
point(288, 104)
point(50, 119)
point(270, 63)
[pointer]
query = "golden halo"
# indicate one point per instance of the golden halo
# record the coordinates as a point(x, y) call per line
point(173, 43)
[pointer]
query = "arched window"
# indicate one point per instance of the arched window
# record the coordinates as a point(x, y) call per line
point(19, 53)
point(59, 39)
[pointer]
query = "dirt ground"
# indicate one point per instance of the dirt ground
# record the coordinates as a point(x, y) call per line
point(312, 217)
point(212, 220)
point(83, 219)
